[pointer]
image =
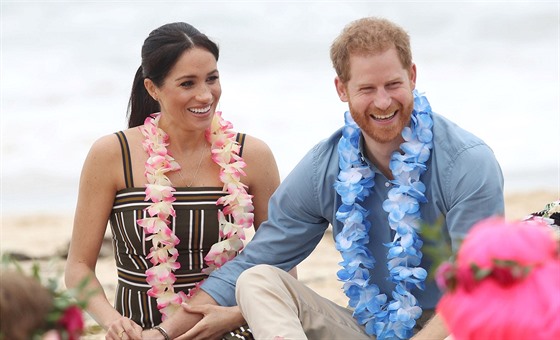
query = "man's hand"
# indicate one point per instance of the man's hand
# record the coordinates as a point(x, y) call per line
point(216, 321)
point(182, 321)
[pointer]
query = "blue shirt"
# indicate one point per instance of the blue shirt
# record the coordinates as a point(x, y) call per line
point(464, 184)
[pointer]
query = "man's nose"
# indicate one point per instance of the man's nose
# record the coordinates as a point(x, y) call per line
point(382, 99)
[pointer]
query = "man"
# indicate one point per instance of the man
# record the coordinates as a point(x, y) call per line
point(393, 165)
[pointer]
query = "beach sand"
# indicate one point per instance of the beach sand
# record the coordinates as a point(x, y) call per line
point(46, 236)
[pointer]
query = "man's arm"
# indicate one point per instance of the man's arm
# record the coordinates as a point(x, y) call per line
point(295, 225)
point(471, 194)
point(474, 191)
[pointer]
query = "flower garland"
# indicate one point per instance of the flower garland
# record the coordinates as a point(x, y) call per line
point(503, 272)
point(395, 318)
point(163, 253)
point(238, 203)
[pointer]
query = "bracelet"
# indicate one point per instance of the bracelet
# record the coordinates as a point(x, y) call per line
point(162, 331)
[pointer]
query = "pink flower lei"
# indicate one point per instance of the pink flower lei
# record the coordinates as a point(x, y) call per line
point(237, 203)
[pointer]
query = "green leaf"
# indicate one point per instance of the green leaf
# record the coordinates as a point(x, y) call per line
point(436, 246)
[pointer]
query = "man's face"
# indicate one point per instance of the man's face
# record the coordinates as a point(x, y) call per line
point(379, 94)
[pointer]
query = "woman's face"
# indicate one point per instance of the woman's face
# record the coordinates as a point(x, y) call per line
point(190, 92)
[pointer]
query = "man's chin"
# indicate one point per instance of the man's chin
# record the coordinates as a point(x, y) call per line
point(384, 137)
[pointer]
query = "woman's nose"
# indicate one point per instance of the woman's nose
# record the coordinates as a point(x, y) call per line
point(204, 94)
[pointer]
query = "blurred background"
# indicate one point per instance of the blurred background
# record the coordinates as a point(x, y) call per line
point(67, 69)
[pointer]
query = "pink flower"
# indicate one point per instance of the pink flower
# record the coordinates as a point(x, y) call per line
point(504, 275)
point(160, 275)
point(157, 193)
point(168, 302)
point(152, 224)
point(466, 278)
point(194, 289)
point(157, 256)
point(444, 276)
point(73, 322)
point(245, 220)
point(227, 229)
point(161, 209)
point(224, 251)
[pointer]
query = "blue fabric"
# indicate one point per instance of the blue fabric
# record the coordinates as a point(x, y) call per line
point(464, 184)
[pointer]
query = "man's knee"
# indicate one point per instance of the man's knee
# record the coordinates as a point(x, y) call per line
point(254, 278)
point(255, 273)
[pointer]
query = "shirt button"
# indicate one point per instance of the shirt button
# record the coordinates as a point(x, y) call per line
point(387, 184)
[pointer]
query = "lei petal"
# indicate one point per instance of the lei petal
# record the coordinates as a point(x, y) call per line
point(382, 318)
point(163, 253)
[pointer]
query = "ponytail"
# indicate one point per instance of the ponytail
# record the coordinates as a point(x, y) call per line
point(140, 104)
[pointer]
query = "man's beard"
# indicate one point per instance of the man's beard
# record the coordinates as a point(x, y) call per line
point(382, 134)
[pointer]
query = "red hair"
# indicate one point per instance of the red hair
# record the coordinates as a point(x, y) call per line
point(518, 307)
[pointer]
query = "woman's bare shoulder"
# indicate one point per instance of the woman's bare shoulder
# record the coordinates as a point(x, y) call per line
point(110, 145)
point(255, 147)
point(259, 159)
point(107, 148)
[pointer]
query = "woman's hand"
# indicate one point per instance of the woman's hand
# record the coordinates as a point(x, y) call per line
point(122, 329)
point(216, 321)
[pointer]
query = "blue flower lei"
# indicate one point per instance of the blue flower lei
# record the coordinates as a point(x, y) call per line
point(382, 318)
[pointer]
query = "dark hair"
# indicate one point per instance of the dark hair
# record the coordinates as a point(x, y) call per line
point(161, 50)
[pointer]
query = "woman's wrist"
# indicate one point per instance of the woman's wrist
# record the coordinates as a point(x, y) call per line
point(162, 331)
point(152, 334)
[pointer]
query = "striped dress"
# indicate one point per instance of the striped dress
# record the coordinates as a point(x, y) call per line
point(195, 224)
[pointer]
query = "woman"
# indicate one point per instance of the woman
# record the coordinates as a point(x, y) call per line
point(171, 188)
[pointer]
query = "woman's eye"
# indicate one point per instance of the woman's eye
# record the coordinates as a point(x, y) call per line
point(212, 79)
point(187, 84)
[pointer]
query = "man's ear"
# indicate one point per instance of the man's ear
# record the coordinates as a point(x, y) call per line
point(341, 89)
point(151, 88)
point(412, 76)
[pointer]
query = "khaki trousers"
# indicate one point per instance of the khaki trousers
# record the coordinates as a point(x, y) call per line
point(277, 306)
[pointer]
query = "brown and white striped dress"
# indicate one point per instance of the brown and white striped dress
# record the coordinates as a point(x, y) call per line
point(195, 224)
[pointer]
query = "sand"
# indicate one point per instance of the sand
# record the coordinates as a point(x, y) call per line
point(45, 236)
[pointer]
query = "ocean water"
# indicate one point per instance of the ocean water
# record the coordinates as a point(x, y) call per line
point(67, 68)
